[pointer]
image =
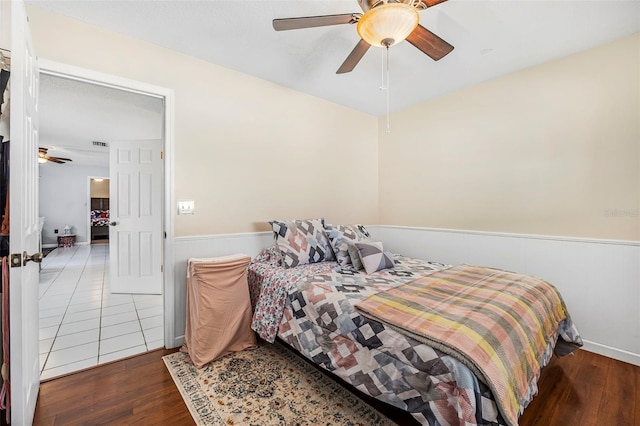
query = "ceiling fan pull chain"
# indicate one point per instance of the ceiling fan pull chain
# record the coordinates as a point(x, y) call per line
point(388, 130)
point(382, 67)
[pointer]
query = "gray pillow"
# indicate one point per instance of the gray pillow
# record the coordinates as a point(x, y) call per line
point(373, 256)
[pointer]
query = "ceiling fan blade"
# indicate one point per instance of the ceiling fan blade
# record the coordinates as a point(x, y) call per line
point(54, 160)
point(314, 21)
point(432, 45)
point(62, 158)
point(431, 3)
point(354, 57)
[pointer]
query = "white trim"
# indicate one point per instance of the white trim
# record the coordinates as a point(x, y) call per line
point(223, 236)
point(81, 243)
point(169, 240)
point(509, 235)
point(86, 75)
point(518, 252)
point(598, 279)
point(108, 80)
point(610, 352)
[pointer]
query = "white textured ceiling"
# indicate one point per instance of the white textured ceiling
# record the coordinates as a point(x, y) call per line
point(491, 38)
point(73, 114)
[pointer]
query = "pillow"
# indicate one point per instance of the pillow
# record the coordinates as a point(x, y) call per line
point(340, 236)
point(268, 255)
point(373, 256)
point(355, 256)
point(301, 242)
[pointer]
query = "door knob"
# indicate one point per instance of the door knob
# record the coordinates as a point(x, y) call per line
point(114, 223)
point(35, 257)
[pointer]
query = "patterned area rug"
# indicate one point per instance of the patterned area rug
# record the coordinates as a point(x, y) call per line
point(266, 386)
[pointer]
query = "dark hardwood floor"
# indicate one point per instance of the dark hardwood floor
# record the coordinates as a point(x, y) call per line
point(586, 389)
point(580, 390)
point(134, 391)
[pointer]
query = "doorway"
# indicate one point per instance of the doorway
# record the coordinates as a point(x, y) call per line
point(129, 316)
point(98, 203)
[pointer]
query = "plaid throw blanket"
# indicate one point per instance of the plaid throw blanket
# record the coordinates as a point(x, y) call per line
point(498, 323)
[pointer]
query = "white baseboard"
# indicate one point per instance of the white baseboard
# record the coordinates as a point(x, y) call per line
point(598, 279)
point(177, 342)
point(610, 352)
point(81, 243)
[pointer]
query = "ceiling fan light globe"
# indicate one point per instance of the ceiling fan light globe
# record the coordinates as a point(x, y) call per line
point(389, 21)
point(42, 160)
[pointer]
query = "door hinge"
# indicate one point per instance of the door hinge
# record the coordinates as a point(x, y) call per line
point(162, 155)
point(165, 235)
point(161, 268)
point(16, 260)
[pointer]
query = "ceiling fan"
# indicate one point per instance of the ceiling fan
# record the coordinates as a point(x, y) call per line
point(43, 157)
point(384, 23)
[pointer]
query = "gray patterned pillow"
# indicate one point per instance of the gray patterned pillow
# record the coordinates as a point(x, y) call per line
point(340, 236)
point(373, 256)
point(301, 241)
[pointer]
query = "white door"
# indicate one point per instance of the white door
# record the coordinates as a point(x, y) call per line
point(135, 237)
point(24, 231)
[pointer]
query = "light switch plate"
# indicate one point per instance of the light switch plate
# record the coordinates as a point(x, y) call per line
point(186, 207)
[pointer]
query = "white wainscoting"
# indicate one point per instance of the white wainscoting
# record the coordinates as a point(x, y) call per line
point(598, 279)
point(250, 243)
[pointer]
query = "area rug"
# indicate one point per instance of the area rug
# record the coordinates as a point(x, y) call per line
point(266, 386)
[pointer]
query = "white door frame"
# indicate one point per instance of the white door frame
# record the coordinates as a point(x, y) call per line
point(108, 80)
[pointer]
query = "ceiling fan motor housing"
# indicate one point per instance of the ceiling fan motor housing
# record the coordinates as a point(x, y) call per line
point(367, 5)
point(383, 23)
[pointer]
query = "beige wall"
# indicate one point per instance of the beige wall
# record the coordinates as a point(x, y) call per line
point(552, 150)
point(246, 150)
point(99, 189)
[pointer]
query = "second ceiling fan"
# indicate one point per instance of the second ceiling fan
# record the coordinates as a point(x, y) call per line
point(384, 23)
point(43, 157)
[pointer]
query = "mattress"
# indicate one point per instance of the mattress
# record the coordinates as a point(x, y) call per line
point(311, 308)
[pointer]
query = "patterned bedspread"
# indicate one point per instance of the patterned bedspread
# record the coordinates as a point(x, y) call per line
point(311, 307)
point(498, 323)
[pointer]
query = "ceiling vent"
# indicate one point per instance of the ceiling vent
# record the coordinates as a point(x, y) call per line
point(98, 143)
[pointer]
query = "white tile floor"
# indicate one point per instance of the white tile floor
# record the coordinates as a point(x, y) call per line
point(81, 323)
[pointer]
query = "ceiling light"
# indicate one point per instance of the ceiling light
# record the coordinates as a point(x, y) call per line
point(42, 158)
point(388, 24)
point(98, 180)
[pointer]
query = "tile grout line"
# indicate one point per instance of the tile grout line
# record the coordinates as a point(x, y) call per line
point(144, 338)
point(104, 271)
point(44, 364)
point(56, 277)
point(86, 280)
point(84, 265)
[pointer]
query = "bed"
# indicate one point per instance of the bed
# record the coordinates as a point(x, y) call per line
point(99, 224)
point(311, 294)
